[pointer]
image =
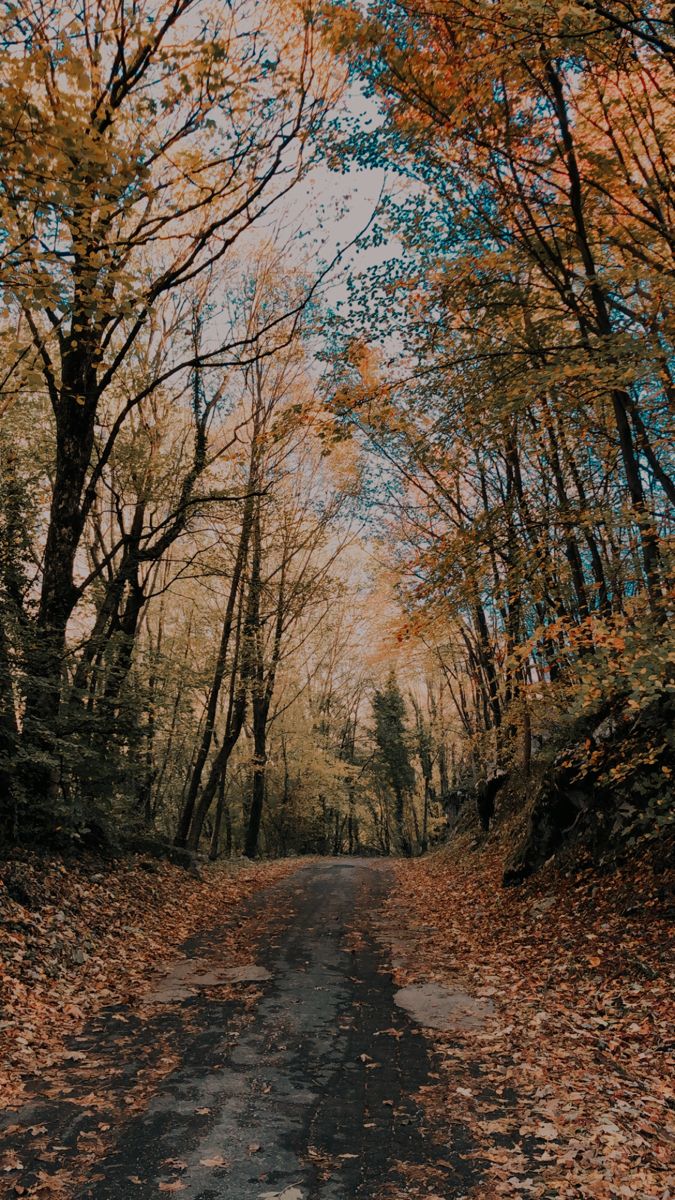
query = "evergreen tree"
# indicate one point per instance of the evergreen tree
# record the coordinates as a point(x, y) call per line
point(392, 751)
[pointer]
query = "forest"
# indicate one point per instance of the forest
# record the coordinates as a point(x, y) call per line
point(304, 544)
point(337, 493)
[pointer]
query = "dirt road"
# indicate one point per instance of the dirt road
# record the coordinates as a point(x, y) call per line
point(294, 1076)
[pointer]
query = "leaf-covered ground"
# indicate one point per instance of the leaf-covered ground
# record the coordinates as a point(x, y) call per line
point(75, 937)
point(567, 1088)
point(559, 1091)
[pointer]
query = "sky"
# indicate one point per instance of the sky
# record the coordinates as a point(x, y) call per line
point(331, 208)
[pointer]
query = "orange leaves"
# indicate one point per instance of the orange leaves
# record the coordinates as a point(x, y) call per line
point(580, 974)
point(91, 938)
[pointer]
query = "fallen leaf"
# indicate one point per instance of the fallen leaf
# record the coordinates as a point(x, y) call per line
point(546, 1131)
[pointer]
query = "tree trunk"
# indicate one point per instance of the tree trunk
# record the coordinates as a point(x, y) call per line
point(621, 401)
point(527, 737)
point(217, 772)
point(215, 836)
point(261, 700)
point(221, 658)
point(240, 679)
point(258, 782)
point(399, 814)
point(9, 733)
point(75, 416)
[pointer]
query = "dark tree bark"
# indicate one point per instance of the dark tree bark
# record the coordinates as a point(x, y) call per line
point(9, 733)
point(218, 676)
point(621, 401)
point(264, 679)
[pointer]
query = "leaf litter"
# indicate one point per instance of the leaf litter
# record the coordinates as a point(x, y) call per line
point(568, 1091)
point(130, 921)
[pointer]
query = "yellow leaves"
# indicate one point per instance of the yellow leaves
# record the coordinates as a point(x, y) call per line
point(76, 72)
point(141, 164)
point(365, 358)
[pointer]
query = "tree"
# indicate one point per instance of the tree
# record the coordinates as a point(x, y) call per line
point(513, 363)
point(138, 145)
point(392, 752)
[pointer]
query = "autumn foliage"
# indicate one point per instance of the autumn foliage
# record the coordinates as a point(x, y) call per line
point(235, 501)
point(515, 368)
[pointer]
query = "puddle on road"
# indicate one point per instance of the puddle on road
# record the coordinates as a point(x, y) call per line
point(289, 1193)
point(248, 973)
point(439, 1007)
point(185, 977)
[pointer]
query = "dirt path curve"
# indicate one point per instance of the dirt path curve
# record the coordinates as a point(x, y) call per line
point(293, 1079)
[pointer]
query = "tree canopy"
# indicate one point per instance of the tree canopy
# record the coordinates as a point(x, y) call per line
point(308, 538)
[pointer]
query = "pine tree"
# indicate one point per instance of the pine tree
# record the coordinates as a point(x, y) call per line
point(392, 751)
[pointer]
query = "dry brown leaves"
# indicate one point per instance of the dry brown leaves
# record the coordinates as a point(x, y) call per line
point(569, 1092)
point(84, 935)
